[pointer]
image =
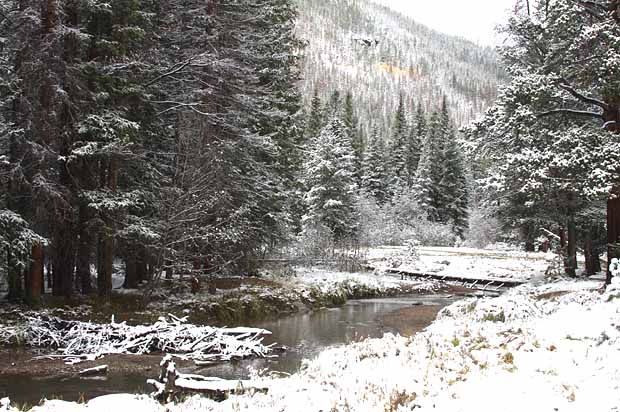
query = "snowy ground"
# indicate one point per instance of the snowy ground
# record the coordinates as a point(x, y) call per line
point(384, 284)
point(465, 262)
point(551, 347)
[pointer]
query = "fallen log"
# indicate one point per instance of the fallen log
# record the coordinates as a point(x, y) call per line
point(97, 370)
point(171, 382)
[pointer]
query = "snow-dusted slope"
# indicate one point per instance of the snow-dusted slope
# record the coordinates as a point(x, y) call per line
point(376, 53)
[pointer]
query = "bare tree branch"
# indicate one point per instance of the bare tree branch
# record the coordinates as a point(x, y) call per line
point(582, 113)
point(581, 97)
point(178, 68)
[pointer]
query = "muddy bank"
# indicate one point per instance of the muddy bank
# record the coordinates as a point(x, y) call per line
point(408, 321)
point(24, 362)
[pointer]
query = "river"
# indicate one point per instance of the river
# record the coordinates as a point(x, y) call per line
point(305, 335)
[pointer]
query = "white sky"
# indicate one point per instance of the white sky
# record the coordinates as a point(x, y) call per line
point(472, 19)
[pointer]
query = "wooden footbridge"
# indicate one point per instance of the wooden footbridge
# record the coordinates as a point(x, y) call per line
point(483, 284)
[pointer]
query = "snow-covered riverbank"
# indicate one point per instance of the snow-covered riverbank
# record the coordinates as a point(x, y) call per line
point(548, 347)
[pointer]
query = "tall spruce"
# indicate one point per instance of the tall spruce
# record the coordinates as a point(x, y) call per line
point(398, 149)
point(351, 124)
point(314, 122)
point(414, 144)
point(429, 172)
point(376, 173)
point(330, 180)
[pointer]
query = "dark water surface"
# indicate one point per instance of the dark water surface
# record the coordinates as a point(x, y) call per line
point(305, 335)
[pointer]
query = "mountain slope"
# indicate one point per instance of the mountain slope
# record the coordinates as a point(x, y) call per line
point(376, 53)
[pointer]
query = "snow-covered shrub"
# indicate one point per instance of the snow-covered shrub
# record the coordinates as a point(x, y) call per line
point(379, 225)
point(434, 233)
point(399, 222)
point(314, 241)
point(484, 229)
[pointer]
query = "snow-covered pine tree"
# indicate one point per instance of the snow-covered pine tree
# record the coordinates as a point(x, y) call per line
point(329, 177)
point(351, 124)
point(234, 111)
point(278, 51)
point(333, 106)
point(429, 172)
point(116, 122)
point(414, 144)
point(375, 179)
point(398, 149)
point(453, 186)
point(314, 122)
point(562, 100)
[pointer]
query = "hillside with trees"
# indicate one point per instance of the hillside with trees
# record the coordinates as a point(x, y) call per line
point(378, 54)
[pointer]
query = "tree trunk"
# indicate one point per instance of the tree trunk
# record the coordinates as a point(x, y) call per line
point(50, 278)
point(141, 265)
point(613, 231)
point(169, 270)
point(196, 266)
point(83, 263)
point(571, 247)
point(105, 285)
point(16, 291)
point(131, 278)
point(64, 261)
point(35, 275)
point(588, 254)
point(591, 251)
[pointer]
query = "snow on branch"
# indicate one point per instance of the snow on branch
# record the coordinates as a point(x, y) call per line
point(76, 340)
point(563, 84)
point(582, 113)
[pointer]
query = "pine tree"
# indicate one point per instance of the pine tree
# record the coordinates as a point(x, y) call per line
point(351, 125)
point(314, 123)
point(556, 105)
point(398, 152)
point(429, 173)
point(331, 187)
point(414, 144)
point(453, 186)
point(375, 180)
point(333, 106)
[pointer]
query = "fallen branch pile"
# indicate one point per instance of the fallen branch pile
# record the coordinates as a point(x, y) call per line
point(85, 340)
